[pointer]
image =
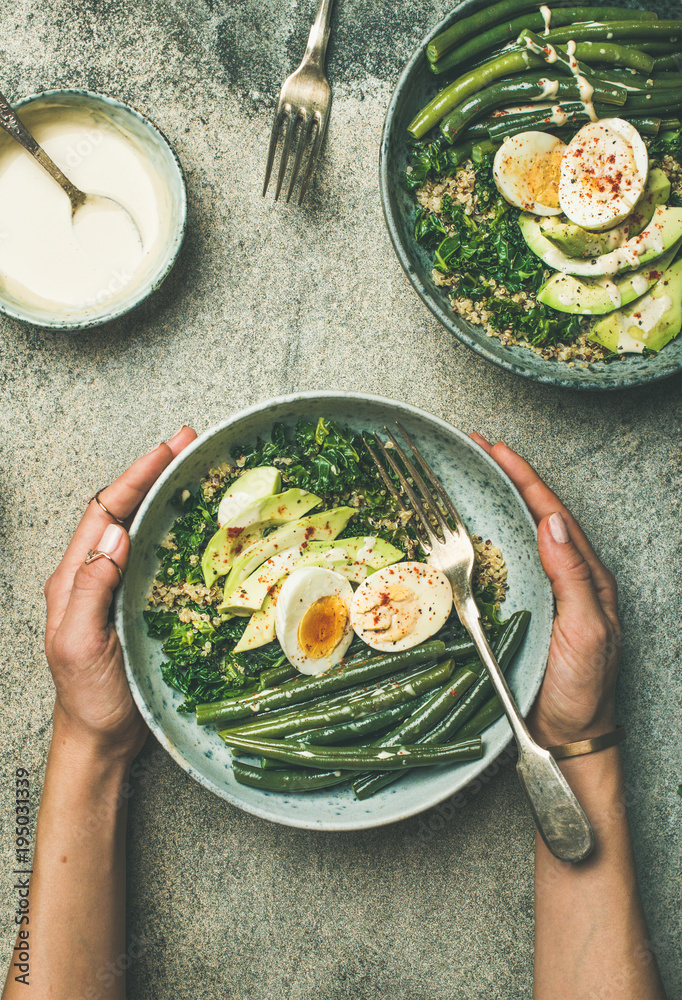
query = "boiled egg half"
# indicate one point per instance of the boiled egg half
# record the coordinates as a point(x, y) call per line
point(603, 173)
point(401, 606)
point(312, 620)
point(526, 169)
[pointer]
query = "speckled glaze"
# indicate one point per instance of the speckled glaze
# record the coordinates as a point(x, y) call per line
point(160, 152)
point(416, 86)
point(489, 504)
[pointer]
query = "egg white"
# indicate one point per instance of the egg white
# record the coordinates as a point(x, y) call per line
point(603, 173)
point(299, 591)
point(512, 164)
point(432, 605)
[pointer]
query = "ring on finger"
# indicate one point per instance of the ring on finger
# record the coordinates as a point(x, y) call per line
point(95, 554)
point(105, 509)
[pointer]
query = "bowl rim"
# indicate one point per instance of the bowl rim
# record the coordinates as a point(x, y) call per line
point(120, 600)
point(66, 325)
point(515, 367)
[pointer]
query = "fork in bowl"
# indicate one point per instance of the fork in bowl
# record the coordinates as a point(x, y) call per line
point(558, 815)
point(305, 98)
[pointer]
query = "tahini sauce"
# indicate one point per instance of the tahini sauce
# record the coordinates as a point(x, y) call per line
point(45, 259)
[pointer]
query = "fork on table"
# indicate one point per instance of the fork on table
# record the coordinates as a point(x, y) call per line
point(302, 111)
point(558, 815)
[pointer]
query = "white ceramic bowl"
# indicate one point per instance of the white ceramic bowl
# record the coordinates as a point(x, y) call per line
point(172, 202)
point(490, 506)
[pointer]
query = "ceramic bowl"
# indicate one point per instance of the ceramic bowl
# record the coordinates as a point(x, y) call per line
point(415, 88)
point(172, 201)
point(490, 506)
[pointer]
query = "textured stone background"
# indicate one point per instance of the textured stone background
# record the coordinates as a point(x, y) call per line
point(267, 299)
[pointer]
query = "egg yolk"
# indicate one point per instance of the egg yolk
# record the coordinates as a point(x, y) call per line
point(322, 626)
point(393, 612)
point(543, 177)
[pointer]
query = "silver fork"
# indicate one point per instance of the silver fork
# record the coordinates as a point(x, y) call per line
point(304, 103)
point(558, 815)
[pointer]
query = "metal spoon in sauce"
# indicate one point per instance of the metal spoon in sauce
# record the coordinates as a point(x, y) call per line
point(84, 206)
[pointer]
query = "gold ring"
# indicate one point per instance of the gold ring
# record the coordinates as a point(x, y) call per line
point(106, 509)
point(94, 554)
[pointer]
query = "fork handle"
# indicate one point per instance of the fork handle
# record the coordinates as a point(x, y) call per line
point(558, 815)
point(319, 35)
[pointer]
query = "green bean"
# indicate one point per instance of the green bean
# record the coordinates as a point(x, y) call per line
point(610, 52)
point(658, 48)
point(666, 80)
point(670, 125)
point(654, 100)
point(453, 95)
point(467, 27)
point(490, 712)
point(392, 693)
point(645, 125)
point(360, 728)
point(273, 676)
point(668, 62)
point(335, 679)
point(509, 30)
point(286, 781)
point(354, 732)
point(555, 57)
point(497, 96)
point(624, 77)
point(380, 758)
point(504, 647)
point(575, 112)
point(422, 720)
point(638, 30)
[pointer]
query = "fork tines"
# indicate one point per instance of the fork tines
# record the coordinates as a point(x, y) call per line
point(294, 124)
point(422, 503)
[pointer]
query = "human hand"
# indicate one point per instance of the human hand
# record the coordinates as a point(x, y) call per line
point(93, 703)
point(576, 700)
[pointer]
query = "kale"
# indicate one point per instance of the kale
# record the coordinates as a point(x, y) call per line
point(427, 158)
point(200, 663)
point(190, 535)
point(493, 249)
point(333, 463)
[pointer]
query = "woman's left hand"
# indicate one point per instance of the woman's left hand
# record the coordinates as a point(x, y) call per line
point(94, 704)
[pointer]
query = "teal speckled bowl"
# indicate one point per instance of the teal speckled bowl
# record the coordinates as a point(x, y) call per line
point(173, 204)
point(490, 506)
point(415, 88)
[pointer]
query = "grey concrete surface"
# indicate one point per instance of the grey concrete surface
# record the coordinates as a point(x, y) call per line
point(267, 299)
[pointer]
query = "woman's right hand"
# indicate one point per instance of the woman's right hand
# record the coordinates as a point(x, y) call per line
point(576, 700)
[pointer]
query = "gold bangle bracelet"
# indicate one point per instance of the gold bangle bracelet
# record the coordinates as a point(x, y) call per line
point(588, 746)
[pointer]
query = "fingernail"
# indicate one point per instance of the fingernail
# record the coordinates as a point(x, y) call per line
point(110, 539)
point(558, 529)
point(172, 441)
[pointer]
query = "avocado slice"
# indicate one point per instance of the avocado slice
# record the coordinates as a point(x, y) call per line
point(578, 242)
point(261, 627)
point(253, 485)
point(595, 296)
point(325, 525)
point(650, 322)
point(664, 231)
point(359, 555)
point(248, 526)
